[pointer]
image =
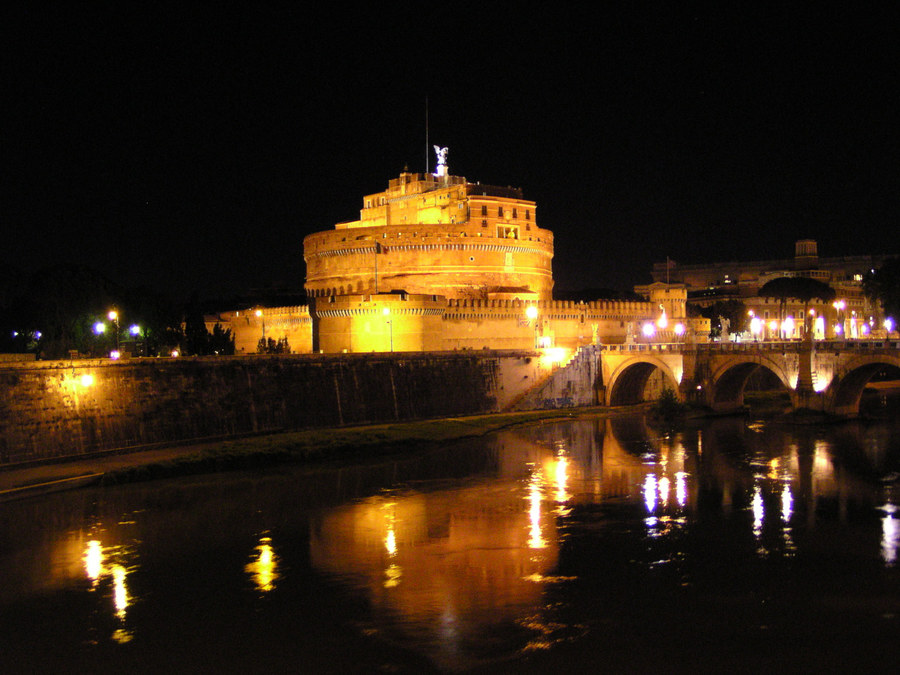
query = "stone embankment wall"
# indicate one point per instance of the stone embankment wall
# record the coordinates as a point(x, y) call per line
point(574, 385)
point(64, 408)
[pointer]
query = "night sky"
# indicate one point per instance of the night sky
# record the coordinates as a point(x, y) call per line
point(190, 148)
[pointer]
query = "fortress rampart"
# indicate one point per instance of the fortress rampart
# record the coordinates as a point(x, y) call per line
point(405, 322)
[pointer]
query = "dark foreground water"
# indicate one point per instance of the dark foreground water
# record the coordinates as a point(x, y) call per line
point(602, 545)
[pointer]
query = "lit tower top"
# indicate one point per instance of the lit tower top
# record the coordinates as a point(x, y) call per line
point(435, 234)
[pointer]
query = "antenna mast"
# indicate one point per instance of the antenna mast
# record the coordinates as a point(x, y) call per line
point(426, 136)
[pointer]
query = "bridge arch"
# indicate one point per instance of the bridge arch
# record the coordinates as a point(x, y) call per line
point(729, 380)
point(847, 387)
point(628, 382)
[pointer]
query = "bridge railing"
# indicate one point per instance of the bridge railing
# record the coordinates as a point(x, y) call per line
point(868, 345)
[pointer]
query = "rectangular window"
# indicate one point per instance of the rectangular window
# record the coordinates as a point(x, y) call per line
point(527, 214)
point(504, 232)
point(499, 211)
point(515, 213)
point(484, 223)
point(483, 210)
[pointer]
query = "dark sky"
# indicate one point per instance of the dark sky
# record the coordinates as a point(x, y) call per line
point(189, 147)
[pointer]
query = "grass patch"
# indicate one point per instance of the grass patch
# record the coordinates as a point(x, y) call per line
point(333, 443)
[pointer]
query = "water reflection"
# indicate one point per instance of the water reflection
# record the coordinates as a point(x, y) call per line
point(504, 545)
point(263, 567)
point(890, 534)
point(107, 569)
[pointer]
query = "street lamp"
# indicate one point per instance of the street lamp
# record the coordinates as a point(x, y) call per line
point(787, 328)
point(531, 312)
point(756, 326)
point(839, 306)
point(387, 317)
point(114, 317)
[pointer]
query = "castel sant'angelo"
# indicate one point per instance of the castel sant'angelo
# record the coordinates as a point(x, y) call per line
point(438, 263)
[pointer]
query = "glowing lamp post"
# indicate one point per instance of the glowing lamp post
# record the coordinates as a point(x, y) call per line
point(839, 306)
point(756, 327)
point(787, 328)
point(387, 317)
point(649, 330)
point(889, 325)
point(531, 312)
point(114, 317)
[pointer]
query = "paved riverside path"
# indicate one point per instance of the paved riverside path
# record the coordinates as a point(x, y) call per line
point(27, 479)
point(36, 478)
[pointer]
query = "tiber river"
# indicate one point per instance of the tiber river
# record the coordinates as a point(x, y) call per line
point(731, 544)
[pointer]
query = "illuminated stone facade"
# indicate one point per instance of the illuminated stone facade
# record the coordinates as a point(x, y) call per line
point(435, 236)
point(851, 314)
point(436, 263)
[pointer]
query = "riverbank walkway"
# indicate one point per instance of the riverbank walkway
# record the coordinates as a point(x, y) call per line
point(28, 479)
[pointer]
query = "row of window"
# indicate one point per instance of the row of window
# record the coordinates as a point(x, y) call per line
point(500, 212)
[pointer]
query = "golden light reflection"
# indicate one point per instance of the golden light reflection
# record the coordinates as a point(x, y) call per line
point(787, 502)
point(392, 576)
point(536, 537)
point(890, 536)
point(681, 488)
point(120, 592)
point(561, 473)
point(93, 561)
point(390, 538)
point(650, 492)
point(96, 566)
point(264, 568)
point(823, 469)
point(664, 490)
point(758, 511)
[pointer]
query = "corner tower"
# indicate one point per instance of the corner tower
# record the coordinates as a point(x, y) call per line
point(435, 234)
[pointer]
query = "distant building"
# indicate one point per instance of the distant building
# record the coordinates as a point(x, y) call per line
point(850, 314)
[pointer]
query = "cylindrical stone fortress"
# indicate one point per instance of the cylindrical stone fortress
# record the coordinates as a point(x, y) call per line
point(435, 235)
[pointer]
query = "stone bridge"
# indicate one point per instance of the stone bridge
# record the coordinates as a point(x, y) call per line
point(828, 376)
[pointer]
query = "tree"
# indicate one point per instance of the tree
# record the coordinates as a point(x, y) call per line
point(803, 289)
point(220, 342)
point(61, 303)
point(270, 346)
point(884, 286)
point(196, 337)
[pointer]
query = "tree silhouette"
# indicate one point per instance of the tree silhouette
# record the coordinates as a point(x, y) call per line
point(884, 286)
point(803, 289)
